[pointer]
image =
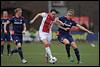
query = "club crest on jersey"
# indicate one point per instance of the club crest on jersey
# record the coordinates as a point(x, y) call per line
point(70, 23)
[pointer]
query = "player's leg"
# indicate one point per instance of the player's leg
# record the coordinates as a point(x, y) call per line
point(47, 48)
point(8, 43)
point(49, 41)
point(67, 45)
point(46, 57)
point(15, 39)
point(44, 38)
point(2, 47)
point(2, 42)
point(68, 50)
point(74, 46)
point(18, 49)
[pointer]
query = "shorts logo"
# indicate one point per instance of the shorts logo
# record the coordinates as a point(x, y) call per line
point(62, 39)
point(16, 40)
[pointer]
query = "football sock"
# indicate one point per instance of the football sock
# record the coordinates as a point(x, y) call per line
point(14, 50)
point(48, 51)
point(8, 48)
point(77, 53)
point(46, 55)
point(2, 47)
point(20, 53)
point(68, 49)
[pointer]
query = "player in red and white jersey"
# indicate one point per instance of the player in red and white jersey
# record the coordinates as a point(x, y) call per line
point(45, 29)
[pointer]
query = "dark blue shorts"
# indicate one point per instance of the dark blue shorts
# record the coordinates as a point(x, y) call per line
point(68, 37)
point(18, 38)
point(5, 36)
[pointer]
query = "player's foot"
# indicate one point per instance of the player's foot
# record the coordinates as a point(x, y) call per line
point(23, 61)
point(71, 60)
point(46, 59)
point(93, 45)
point(9, 54)
point(79, 62)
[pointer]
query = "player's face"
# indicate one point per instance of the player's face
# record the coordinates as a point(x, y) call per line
point(70, 13)
point(5, 14)
point(53, 14)
point(19, 13)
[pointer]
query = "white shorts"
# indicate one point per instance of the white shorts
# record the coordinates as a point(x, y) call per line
point(44, 35)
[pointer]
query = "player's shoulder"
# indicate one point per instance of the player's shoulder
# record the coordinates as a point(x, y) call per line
point(44, 14)
point(4, 18)
point(12, 17)
point(73, 20)
point(19, 17)
point(61, 17)
point(22, 17)
point(1, 18)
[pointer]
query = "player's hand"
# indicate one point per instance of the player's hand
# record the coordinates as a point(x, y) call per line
point(90, 32)
point(31, 22)
point(67, 29)
point(5, 31)
point(12, 32)
point(57, 33)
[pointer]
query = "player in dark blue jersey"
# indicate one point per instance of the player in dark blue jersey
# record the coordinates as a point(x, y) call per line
point(64, 33)
point(5, 32)
point(19, 27)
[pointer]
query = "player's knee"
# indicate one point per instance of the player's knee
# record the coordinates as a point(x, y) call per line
point(73, 44)
point(47, 45)
point(9, 42)
point(65, 41)
point(2, 42)
point(18, 44)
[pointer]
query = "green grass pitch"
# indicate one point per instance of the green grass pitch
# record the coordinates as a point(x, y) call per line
point(34, 54)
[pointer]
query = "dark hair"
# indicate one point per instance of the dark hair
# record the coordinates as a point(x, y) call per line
point(54, 10)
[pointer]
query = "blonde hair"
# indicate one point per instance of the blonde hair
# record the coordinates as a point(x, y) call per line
point(72, 11)
point(17, 9)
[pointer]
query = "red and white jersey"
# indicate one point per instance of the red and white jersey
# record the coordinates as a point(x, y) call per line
point(47, 23)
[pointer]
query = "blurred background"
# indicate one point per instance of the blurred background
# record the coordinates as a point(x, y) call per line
point(86, 13)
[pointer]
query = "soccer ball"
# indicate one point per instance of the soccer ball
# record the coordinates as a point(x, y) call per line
point(53, 60)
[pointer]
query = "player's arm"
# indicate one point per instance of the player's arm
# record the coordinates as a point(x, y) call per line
point(11, 29)
point(83, 28)
point(39, 14)
point(61, 26)
point(5, 28)
point(5, 25)
point(58, 22)
point(24, 30)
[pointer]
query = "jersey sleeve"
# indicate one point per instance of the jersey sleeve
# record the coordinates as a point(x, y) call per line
point(74, 23)
point(25, 20)
point(11, 20)
point(61, 18)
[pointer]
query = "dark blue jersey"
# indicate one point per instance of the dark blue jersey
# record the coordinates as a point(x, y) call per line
point(2, 25)
point(69, 23)
point(17, 24)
